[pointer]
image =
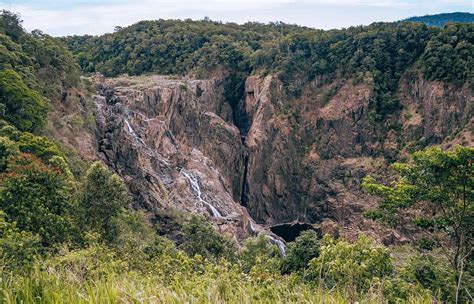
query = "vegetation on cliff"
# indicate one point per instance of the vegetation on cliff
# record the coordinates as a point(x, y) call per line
point(379, 53)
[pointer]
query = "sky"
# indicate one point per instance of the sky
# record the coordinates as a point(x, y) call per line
point(95, 17)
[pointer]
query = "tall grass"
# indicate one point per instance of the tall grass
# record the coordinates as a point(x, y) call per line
point(216, 284)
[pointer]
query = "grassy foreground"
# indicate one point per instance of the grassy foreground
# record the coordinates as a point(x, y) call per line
point(94, 275)
point(51, 286)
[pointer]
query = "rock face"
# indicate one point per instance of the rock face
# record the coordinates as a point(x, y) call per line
point(176, 144)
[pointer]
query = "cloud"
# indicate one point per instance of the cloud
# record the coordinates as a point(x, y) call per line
point(99, 16)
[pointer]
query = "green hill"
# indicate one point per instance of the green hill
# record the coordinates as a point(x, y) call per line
point(440, 20)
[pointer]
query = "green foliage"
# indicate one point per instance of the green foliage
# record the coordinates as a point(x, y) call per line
point(97, 275)
point(441, 19)
point(449, 55)
point(257, 250)
point(8, 148)
point(358, 265)
point(102, 197)
point(432, 274)
point(200, 238)
point(300, 252)
point(39, 146)
point(23, 108)
point(443, 183)
point(173, 46)
point(379, 54)
point(43, 62)
point(17, 248)
point(399, 290)
point(10, 25)
point(38, 198)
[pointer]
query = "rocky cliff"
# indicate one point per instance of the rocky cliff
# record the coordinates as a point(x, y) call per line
point(285, 165)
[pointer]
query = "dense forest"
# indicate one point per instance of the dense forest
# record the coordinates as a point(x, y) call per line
point(380, 53)
point(68, 234)
point(441, 19)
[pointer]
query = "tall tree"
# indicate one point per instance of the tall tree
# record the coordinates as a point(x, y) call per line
point(441, 185)
point(102, 197)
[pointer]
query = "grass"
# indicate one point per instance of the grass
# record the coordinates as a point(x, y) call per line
point(213, 285)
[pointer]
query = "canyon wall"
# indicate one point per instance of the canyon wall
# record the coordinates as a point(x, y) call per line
point(176, 143)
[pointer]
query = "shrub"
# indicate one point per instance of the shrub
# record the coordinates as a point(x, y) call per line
point(200, 238)
point(17, 248)
point(37, 198)
point(39, 146)
point(357, 265)
point(300, 252)
point(258, 250)
point(399, 290)
point(432, 274)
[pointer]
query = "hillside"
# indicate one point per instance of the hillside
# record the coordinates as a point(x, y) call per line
point(196, 161)
point(441, 19)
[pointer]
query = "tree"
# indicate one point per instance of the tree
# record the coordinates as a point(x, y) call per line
point(38, 198)
point(199, 237)
point(300, 252)
point(101, 199)
point(441, 185)
point(10, 24)
point(23, 108)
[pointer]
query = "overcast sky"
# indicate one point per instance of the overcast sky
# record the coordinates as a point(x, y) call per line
point(68, 17)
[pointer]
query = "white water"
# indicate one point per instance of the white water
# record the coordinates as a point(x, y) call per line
point(193, 182)
point(280, 244)
point(132, 132)
point(252, 228)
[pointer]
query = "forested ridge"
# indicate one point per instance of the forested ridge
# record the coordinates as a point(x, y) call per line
point(379, 53)
point(441, 19)
point(68, 233)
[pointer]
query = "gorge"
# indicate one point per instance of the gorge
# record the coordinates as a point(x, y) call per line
point(178, 144)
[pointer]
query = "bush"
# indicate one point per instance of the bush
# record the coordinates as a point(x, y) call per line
point(432, 274)
point(399, 290)
point(357, 265)
point(38, 198)
point(200, 238)
point(258, 250)
point(17, 248)
point(300, 252)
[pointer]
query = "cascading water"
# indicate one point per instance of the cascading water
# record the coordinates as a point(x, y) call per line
point(280, 244)
point(193, 182)
point(148, 150)
point(132, 132)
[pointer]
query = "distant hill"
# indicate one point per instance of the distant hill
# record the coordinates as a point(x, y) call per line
point(440, 19)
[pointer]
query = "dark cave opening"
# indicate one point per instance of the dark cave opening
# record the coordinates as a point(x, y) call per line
point(290, 231)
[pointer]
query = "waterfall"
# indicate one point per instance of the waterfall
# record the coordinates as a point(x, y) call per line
point(132, 132)
point(193, 182)
point(280, 244)
point(252, 228)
